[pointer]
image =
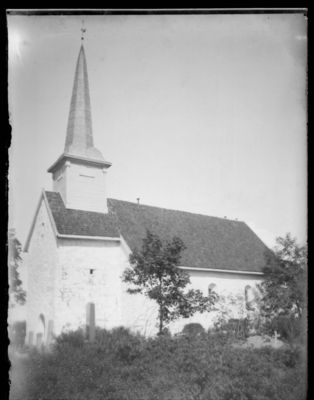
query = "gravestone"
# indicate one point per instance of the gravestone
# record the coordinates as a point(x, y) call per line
point(90, 321)
point(50, 332)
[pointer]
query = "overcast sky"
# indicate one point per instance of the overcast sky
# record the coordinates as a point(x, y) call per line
point(202, 113)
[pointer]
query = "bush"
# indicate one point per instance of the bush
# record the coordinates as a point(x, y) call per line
point(193, 329)
point(72, 339)
point(122, 366)
point(289, 328)
point(237, 328)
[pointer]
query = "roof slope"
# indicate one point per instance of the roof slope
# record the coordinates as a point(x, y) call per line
point(78, 222)
point(211, 242)
point(214, 243)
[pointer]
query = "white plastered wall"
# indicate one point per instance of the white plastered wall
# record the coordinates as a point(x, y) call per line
point(41, 262)
point(76, 286)
point(82, 187)
point(139, 313)
point(89, 272)
point(60, 284)
point(230, 286)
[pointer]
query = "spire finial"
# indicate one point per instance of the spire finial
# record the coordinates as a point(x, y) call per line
point(83, 30)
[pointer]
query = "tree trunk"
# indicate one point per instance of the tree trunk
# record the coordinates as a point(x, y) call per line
point(160, 320)
point(160, 308)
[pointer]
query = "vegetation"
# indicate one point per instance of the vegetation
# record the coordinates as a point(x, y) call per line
point(14, 257)
point(284, 302)
point(123, 366)
point(193, 329)
point(154, 272)
point(193, 365)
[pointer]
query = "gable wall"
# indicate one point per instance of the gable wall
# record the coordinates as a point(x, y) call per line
point(41, 263)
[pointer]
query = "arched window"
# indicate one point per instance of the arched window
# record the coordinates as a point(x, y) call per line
point(249, 298)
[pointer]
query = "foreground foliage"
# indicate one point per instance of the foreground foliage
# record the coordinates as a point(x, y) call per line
point(194, 365)
point(284, 302)
point(16, 291)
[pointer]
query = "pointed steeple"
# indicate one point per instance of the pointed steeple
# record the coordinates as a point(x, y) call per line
point(79, 173)
point(79, 136)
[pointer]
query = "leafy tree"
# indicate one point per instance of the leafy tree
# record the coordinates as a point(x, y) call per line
point(285, 284)
point(154, 272)
point(14, 258)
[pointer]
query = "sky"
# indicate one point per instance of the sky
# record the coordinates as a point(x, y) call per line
point(201, 113)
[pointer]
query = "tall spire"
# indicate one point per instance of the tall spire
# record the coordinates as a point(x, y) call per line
point(79, 173)
point(79, 136)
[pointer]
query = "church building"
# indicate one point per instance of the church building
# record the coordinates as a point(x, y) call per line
point(80, 240)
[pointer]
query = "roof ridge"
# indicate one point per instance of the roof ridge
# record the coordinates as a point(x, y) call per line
point(166, 209)
point(181, 211)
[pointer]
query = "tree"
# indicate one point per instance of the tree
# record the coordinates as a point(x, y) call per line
point(154, 272)
point(14, 258)
point(284, 286)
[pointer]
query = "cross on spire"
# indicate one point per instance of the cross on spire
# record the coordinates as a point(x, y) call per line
point(79, 149)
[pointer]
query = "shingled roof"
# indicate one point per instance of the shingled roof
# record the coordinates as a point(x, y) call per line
point(78, 222)
point(213, 243)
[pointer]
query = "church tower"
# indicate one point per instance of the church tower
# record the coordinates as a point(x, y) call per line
point(79, 173)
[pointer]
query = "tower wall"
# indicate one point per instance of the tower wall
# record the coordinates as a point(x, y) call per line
point(82, 187)
point(90, 272)
point(60, 182)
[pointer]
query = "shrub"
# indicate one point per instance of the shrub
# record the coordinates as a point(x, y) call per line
point(122, 366)
point(72, 339)
point(193, 329)
point(237, 328)
point(289, 328)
